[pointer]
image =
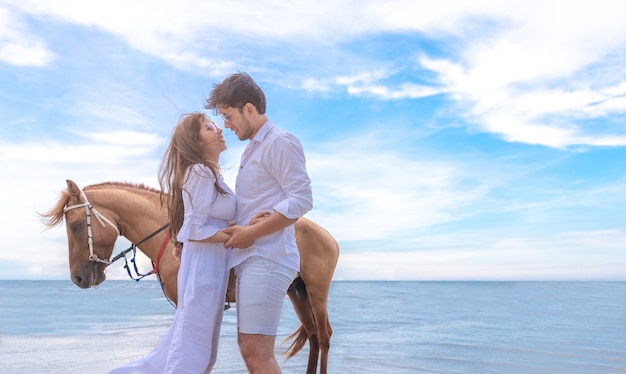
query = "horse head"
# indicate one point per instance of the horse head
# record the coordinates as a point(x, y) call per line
point(90, 238)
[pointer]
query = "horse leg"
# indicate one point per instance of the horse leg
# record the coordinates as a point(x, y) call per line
point(318, 302)
point(325, 348)
point(319, 253)
point(308, 328)
point(168, 276)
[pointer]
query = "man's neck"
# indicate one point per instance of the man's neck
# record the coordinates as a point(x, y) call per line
point(258, 122)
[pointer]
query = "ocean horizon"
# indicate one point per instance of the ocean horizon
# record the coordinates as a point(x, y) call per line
point(378, 327)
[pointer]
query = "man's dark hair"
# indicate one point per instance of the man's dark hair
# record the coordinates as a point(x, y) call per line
point(236, 91)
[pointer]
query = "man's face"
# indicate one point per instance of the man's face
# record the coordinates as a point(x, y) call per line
point(236, 120)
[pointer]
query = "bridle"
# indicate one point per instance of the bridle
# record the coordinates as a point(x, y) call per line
point(102, 219)
point(89, 209)
point(93, 257)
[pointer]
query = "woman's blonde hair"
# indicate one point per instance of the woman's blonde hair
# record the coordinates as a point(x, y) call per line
point(184, 150)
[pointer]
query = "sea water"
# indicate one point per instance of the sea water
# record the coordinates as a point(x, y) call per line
point(378, 327)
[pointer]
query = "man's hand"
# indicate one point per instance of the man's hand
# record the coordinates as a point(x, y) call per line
point(259, 217)
point(261, 224)
point(241, 237)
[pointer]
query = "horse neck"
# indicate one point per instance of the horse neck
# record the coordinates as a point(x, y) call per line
point(137, 214)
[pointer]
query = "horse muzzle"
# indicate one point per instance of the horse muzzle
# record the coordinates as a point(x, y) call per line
point(90, 277)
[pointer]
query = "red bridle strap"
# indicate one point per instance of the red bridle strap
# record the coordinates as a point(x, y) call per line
point(155, 264)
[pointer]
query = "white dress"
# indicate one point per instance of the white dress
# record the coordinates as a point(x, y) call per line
point(190, 344)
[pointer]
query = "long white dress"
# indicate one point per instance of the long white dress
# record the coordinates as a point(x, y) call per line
point(190, 344)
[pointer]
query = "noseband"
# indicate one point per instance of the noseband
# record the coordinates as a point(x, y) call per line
point(102, 219)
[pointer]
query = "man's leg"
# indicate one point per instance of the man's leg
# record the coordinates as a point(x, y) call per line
point(261, 289)
point(258, 353)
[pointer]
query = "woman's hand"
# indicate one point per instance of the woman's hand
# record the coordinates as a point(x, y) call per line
point(177, 252)
point(259, 217)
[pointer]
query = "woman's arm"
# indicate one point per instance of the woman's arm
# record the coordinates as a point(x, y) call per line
point(219, 237)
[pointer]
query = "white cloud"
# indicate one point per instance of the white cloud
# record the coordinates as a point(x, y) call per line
point(366, 84)
point(105, 148)
point(570, 256)
point(405, 91)
point(126, 138)
point(361, 194)
point(514, 66)
point(120, 109)
point(535, 75)
point(24, 53)
point(17, 46)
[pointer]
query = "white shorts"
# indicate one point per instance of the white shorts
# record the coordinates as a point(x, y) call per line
point(261, 289)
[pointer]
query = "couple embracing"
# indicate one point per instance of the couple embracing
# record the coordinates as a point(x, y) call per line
point(272, 191)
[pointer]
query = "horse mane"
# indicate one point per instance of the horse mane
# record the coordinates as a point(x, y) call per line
point(123, 185)
point(54, 216)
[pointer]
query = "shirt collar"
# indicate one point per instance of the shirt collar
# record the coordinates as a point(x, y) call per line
point(263, 131)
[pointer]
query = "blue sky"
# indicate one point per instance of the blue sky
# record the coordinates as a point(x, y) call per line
point(447, 140)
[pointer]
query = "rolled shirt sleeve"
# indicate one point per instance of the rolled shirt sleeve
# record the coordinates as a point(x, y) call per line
point(289, 168)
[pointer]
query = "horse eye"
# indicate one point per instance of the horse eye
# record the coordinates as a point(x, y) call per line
point(77, 227)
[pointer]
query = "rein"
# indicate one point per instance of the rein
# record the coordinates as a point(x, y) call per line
point(133, 247)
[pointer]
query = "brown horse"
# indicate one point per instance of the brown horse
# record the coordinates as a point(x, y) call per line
point(97, 215)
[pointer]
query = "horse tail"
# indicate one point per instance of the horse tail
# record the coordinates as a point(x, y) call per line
point(300, 338)
point(300, 299)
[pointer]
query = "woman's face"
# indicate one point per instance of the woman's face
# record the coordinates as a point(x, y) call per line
point(213, 142)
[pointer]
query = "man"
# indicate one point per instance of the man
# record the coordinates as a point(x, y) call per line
point(273, 180)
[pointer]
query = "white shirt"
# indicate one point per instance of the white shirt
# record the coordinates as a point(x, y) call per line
point(206, 210)
point(272, 177)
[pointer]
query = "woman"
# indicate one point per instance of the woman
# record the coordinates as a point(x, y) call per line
point(200, 205)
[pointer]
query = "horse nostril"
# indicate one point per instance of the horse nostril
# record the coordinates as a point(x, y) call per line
point(77, 279)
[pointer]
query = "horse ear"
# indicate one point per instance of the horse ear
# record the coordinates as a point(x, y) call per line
point(73, 189)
